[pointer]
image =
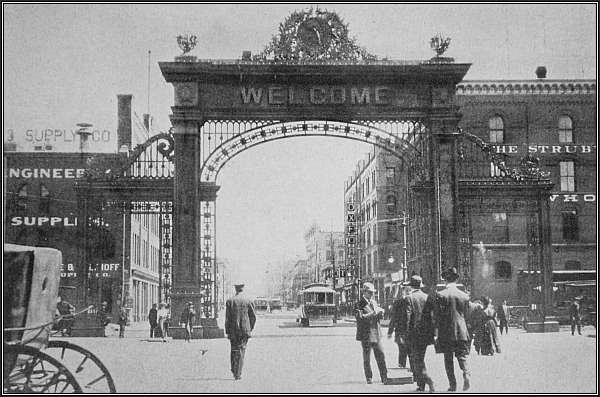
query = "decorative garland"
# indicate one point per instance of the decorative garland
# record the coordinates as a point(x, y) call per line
point(313, 35)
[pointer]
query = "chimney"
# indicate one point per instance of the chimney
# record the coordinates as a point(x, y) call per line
point(124, 120)
point(84, 133)
point(147, 122)
point(540, 72)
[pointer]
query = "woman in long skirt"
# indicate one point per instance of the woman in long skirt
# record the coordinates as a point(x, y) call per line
point(490, 342)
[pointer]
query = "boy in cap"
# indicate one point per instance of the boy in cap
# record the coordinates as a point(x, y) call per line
point(368, 332)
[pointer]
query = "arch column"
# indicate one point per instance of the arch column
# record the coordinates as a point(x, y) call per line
point(444, 162)
point(186, 215)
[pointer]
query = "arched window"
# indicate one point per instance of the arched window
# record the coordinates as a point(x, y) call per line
point(565, 129)
point(572, 265)
point(391, 204)
point(44, 199)
point(496, 125)
point(502, 270)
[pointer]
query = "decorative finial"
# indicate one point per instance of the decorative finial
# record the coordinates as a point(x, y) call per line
point(439, 44)
point(187, 42)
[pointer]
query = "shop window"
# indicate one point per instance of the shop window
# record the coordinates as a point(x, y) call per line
point(570, 225)
point(567, 176)
point(572, 265)
point(500, 227)
point(565, 129)
point(496, 126)
point(390, 174)
point(502, 270)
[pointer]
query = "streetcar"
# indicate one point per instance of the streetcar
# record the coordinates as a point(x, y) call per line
point(261, 304)
point(316, 305)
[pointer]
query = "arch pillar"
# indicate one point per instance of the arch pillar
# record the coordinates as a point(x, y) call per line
point(444, 171)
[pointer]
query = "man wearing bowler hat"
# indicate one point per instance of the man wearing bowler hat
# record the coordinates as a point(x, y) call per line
point(452, 336)
point(368, 332)
point(419, 331)
point(239, 323)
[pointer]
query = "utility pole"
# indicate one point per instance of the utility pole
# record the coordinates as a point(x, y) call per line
point(333, 276)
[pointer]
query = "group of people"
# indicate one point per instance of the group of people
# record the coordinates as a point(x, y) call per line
point(445, 319)
point(159, 321)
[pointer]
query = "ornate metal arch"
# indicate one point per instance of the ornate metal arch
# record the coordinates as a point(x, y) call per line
point(402, 145)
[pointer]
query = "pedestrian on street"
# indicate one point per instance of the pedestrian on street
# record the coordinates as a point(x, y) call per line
point(490, 342)
point(397, 325)
point(153, 320)
point(163, 315)
point(503, 316)
point(187, 319)
point(419, 331)
point(104, 316)
point(575, 315)
point(368, 331)
point(476, 324)
point(239, 323)
point(65, 311)
point(122, 321)
point(451, 333)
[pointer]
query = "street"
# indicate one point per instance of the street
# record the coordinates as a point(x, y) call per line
point(284, 358)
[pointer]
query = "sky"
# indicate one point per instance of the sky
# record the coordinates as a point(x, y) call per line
point(64, 64)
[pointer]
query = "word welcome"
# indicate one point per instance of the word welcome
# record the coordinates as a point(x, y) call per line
point(318, 95)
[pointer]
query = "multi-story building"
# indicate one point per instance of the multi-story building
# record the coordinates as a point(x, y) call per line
point(554, 120)
point(325, 250)
point(118, 260)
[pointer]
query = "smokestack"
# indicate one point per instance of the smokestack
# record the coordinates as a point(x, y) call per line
point(148, 123)
point(84, 132)
point(540, 72)
point(124, 120)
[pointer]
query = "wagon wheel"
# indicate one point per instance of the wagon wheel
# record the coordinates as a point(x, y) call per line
point(33, 371)
point(89, 371)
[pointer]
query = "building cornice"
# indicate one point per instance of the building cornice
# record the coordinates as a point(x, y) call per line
point(526, 87)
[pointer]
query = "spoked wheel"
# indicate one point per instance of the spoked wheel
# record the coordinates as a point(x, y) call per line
point(33, 371)
point(89, 371)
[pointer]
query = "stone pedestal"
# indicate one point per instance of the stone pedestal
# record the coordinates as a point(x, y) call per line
point(399, 376)
point(179, 332)
point(207, 329)
point(541, 326)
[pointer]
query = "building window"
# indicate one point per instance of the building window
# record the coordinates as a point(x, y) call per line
point(500, 227)
point(44, 199)
point(22, 197)
point(391, 204)
point(567, 176)
point(570, 226)
point(390, 174)
point(391, 231)
point(565, 129)
point(496, 130)
point(503, 270)
point(572, 265)
point(495, 171)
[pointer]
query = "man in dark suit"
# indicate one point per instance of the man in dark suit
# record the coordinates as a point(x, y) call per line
point(368, 332)
point(419, 331)
point(153, 320)
point(397, 326)
point(239, 323)
point(451, 333)
point(575, 315)
point(503, 317)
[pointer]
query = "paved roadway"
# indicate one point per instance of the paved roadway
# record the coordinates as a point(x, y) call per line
point(284, 358)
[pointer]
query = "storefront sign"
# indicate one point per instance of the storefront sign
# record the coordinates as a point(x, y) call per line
point(67, 270)
point(49, 173)
point(573, 198)
point(43, 220)
point(104, 270)
point(52, 135)
point(545, 149)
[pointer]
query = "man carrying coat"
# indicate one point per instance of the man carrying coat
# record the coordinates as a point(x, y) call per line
point(419, 331)
point(239, 323)
point(397, 325)
point(451, 333)
point(368, 332)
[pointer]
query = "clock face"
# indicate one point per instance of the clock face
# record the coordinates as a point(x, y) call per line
point(314, 33)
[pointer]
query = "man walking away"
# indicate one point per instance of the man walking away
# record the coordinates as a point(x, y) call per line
point(419, 331)
point(575, 315)
point(397, 326)
point(153, 320)
point(451, 333)
point(239, 323)
point(122, 321)
point(187, 319)
point(368, 332)
point(503, 317)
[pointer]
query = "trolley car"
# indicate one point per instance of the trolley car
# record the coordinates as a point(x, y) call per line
point(32, 362)
point(316, 303)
